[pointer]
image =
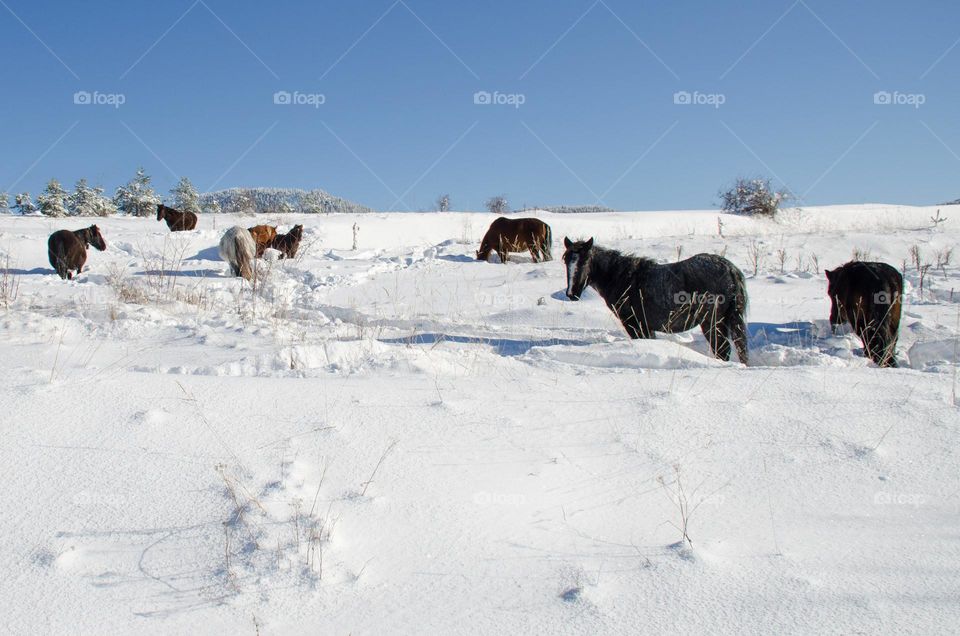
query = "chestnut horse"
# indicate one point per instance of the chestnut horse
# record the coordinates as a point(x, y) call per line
point(176, 221)
point(868, 296)
point(68, 250)
point(288, 243)
point(263, 236)
point(517, 235)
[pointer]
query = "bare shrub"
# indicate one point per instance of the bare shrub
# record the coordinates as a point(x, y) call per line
point(497, 204)
point(755, 254)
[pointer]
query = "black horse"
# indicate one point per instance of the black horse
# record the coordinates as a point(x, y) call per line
point(705, 290)
point(67, 250)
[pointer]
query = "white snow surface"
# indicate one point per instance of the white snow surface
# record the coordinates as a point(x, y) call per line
point(402, 439)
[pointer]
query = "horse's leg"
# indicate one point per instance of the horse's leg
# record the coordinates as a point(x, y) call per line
point(737, 331)
point(714, 333)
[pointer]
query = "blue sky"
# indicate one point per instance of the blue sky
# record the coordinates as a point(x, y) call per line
point(398, 124)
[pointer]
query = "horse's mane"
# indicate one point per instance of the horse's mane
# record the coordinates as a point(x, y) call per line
point(612, 260)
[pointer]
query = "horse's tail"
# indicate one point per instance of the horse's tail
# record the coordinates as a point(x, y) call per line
point(548, 244)
point(736, 315)
point(245, 260)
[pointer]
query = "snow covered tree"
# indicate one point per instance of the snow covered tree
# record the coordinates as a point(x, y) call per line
point(752, 197)
point(4, 203)
point(53, 201)
point(89, 201)
point(498, 204)
point(185, 197)
point(443, 203)
point(211, 207)
point(137, 198)
point(24, 204)
point(80, 202)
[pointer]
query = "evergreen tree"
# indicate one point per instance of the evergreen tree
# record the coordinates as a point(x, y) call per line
point(443, 203)
point(137, 198)
point(24, 204)
point(185, 197)
point(80, 202)
point(4, 203)
point(53, 201)
point(212, 207)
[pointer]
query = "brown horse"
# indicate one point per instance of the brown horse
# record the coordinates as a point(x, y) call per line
point(176, 221)
point(263, 236)
point(68, 250)
point(517, 235)
point(868, 296)
point(289, 243)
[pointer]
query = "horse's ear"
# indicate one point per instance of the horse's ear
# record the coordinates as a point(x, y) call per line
point(589, 244)
point(566, 243)
point(829, 274)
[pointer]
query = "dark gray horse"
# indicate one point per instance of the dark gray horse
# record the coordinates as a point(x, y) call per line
point(705, 290)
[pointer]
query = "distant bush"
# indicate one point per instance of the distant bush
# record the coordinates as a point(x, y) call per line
point(498, 205)
point(753, 197)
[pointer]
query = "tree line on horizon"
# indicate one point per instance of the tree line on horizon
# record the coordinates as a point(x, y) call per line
point(136, 198)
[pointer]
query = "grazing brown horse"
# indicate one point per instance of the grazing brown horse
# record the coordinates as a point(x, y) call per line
point(868, 296)
point(68, 250)
point(289, 243)
point(176, 221)
point(517, 235)
point(263, 236)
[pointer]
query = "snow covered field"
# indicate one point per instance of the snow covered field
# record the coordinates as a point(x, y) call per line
point(401, 439)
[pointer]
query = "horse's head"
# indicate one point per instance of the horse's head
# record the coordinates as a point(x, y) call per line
point(297, 232)
point(95, 238)
point(160, 209)
point(576, 259)
point(834, 285)
point(484, 252)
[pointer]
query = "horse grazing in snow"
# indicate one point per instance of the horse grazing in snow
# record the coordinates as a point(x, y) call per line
point(176, 221)
point(68, 250)
point(705, 290)
point(238, 249)
point(263, 236)
point(517, 235)
point(289, 243)
point(868, 296)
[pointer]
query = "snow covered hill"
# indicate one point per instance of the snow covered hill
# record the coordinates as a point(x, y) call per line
point(401, 439)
